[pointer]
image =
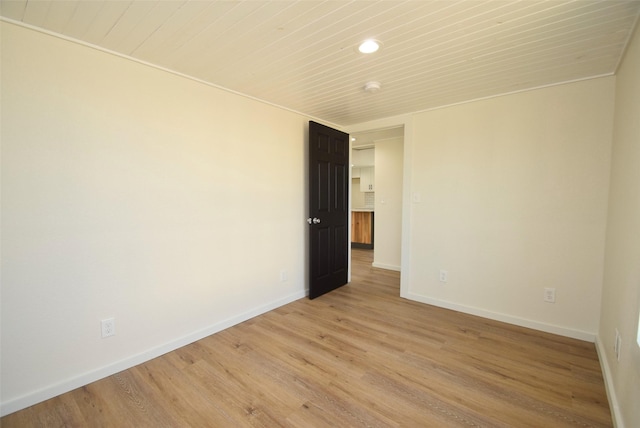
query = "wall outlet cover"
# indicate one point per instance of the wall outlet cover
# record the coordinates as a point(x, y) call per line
point(550, 295)
point(108, 327)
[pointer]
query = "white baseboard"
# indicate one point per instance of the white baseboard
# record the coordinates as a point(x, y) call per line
point(509, 319)
point(384, 266)
point(616, 415)
point(51, 391)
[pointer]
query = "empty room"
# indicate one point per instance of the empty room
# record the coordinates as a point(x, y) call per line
point(182, 181)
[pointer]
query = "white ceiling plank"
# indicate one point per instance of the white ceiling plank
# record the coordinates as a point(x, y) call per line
point(148, 25)
point(442, 60)
point(36, 12)
point(301, 54)
point(126, 24)
point(255, 42)
point(83, 17)
point(156, 45)
point(188, 27)
point(331, 62)
point(174, 54)
point(59, 15)
point(104, 20)
point(317, 31)
point(13, 9)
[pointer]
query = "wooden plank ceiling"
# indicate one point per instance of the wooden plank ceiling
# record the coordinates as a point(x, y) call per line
point(302, 54)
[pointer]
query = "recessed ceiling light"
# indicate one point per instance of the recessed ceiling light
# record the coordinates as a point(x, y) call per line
point(372, 87)
point(369, 46)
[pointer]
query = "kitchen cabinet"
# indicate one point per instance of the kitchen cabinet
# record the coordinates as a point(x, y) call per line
point(362, 229)
point(367, 179)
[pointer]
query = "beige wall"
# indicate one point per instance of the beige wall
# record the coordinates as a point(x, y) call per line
point(388, 204)
point(621, 289)
point(133, 193)
point(513, 198)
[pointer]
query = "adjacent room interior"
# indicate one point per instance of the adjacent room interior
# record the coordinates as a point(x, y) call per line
point(376, 194)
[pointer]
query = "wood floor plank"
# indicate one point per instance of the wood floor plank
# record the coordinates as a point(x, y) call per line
point(358, 356)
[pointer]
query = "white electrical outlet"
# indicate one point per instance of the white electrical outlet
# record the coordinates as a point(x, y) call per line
point(108, 327)
point(284, 276)
point(550, 295)
point(444, 275)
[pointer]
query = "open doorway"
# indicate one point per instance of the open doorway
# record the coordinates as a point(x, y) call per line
point(376, 195)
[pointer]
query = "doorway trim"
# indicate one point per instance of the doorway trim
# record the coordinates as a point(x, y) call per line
point(393, 122)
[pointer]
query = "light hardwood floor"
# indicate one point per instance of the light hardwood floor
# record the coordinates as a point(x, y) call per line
point(359, 356)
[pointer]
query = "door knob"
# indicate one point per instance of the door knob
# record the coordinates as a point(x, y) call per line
point(314, 220)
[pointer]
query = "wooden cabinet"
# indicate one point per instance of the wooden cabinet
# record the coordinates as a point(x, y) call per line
point(361, 229)
point(367, 179)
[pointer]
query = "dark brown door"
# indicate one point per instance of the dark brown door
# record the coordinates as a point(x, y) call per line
point(328, 208)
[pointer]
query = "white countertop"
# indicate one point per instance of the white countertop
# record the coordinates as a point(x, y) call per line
point(362, 210)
